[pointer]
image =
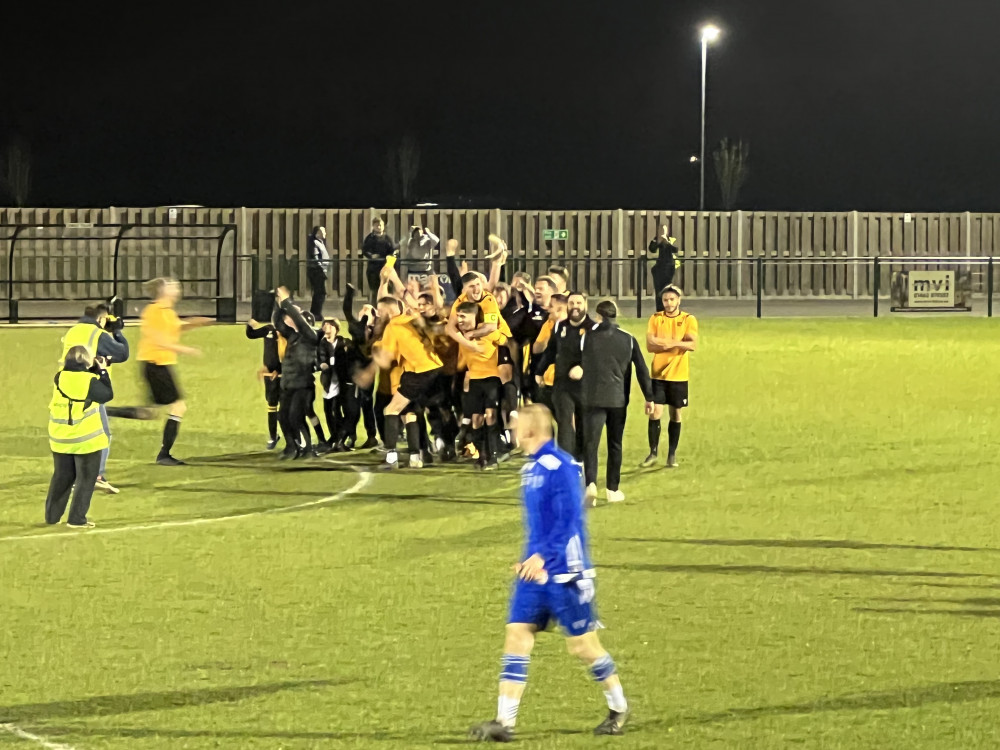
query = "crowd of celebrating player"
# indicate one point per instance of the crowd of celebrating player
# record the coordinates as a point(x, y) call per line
point(448, 377)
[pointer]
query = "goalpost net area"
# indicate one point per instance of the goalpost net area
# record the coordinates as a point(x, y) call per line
point(49, 271)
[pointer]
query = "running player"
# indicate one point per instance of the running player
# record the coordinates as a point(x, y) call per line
point(159, 345)
point(555, 580)
point(670, 337)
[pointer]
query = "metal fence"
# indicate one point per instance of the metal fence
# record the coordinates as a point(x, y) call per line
point(805, 255)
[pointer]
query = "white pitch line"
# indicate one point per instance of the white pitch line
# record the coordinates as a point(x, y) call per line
point(364, 478)
point(18, 732)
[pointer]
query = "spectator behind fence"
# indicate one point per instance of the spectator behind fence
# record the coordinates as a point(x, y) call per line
point(664, 248)
point(417, 258)
point(317, 270)
point(76, 435)
point(376, 248)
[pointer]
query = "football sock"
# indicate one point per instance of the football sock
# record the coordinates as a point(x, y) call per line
point(413, 437)
point(478, 440)
point(603, 668)
point(514, 669)
point(616, 699)
point(424, 438)
point(491, 441)
point(393, 422)
point(272, 422)
point(653, 432)
point(673, 436)
point(170, 430)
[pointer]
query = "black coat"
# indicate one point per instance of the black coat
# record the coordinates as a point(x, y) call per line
point(563, 350)
point(608, 355)
point(299, 364)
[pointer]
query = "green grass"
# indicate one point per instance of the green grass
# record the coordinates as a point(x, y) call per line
point(823, 571)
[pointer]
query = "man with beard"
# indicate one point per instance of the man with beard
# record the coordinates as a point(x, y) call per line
point(563, 351)
point(671, 336)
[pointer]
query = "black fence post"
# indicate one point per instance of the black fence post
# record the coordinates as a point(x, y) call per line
point(640, 283)
point(875, 285)
point(989, 287)
point(759, 263)
point(12, 313)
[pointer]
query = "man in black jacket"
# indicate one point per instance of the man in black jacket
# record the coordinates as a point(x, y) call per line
point(298, 386)
point(563, 351)
point(667, 254)
point(605, 379)
point(376, 248)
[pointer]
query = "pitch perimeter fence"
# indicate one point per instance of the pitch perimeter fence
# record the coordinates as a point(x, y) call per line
point(60, 256)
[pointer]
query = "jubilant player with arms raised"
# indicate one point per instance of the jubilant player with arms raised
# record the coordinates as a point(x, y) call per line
point(555, 580)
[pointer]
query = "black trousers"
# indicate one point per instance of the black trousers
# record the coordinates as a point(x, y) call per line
point(372, 276)
point(295, 405)
point(69, 470)
point(569, 412)
point(381, 401)
point(595, 419)
point(662, 276)
point(317, 282)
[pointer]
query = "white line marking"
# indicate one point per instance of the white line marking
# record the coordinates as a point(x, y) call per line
point(364, 477)
point(18, 732)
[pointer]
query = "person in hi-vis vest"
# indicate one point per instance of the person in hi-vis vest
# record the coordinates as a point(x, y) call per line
point(76, 435)
point(101, 333)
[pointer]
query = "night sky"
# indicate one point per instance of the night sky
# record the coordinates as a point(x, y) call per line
point(869, 105)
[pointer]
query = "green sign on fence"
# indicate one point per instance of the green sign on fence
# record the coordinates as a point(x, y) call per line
point(555, 234)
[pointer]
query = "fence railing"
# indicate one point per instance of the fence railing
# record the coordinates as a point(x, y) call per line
point(764, 280)
point(806, 255)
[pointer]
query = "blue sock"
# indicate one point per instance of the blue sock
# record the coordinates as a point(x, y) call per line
point(603, 668)
point(514, 668)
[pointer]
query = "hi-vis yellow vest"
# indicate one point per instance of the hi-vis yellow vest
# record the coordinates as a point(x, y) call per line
point(82, 334)
point(74, 423)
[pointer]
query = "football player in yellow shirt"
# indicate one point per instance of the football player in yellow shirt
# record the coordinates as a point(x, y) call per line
point(159, 344)
point(404, 342)
point(671, 336)
point(481, 402)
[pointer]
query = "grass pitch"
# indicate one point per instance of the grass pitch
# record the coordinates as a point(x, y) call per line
point(823, 571)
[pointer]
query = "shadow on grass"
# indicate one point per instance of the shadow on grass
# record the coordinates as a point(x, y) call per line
point(988, 607)
point(232, 734)
point(784, 570)
point(112, 705)
point(904, 698)
point(806, 544)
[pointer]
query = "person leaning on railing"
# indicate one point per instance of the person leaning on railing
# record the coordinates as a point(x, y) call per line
point(76, 435)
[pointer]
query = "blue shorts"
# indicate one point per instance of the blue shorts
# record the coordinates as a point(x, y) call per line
point(569, 604)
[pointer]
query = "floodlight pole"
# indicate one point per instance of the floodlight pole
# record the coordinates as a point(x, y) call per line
point(704, 78)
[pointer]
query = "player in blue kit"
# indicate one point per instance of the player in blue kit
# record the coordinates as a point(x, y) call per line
point(554, 582)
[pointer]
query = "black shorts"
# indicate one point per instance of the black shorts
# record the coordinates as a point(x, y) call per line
point(417, 386)
point(503, 355)
point(272, 391)
point(671, 393)
point(483, 394)
point(439, 395)
point(162, 384)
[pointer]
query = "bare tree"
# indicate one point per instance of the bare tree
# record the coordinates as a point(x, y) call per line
point(402, 163)
point(731, 168)
point(15, 170)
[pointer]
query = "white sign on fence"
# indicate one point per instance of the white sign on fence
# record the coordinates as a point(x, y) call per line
point(931, 289)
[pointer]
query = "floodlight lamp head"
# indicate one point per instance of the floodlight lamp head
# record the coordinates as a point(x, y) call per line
point(710, 33)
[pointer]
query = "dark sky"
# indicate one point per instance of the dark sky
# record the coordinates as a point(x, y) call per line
point(870, 105)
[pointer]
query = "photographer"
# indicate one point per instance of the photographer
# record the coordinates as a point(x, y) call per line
point(101, 333)
point(76, 435)
point(417, 257)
